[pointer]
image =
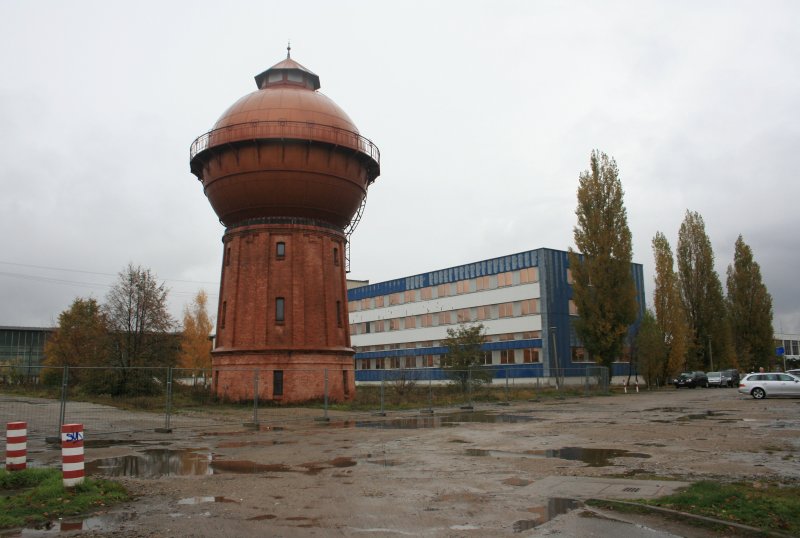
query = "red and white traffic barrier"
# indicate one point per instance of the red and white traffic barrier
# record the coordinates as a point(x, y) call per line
point(72, 454)
point(16, 446)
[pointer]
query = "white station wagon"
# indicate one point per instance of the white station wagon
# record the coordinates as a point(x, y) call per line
point(773, 384)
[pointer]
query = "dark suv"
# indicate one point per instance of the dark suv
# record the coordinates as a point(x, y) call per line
point(691, 380)
point(730, 378)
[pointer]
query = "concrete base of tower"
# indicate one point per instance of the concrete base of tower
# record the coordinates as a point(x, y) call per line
point(284, 377)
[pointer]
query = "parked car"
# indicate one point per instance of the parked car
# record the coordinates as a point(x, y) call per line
point(795, 373)
point(715, 379)
point(773, 384)
point(691, 380)
point(730, 378)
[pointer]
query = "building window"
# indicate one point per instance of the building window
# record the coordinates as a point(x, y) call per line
point(426, 294)
point(365, 364)
point(228, 256)
point(335, 256)
point(411, 362)
point(526, 276)
point(379, 301)
point(280, 250)
point(280, 314)
point(530, 355)
point(394, 324)
point(277, 383)
point(339, 313)
point(411, 322)
point(507, 356)
point(487, 357)
point(367, 327)
point(506, 310)
point(345, 382)
point(223, 314)
point(444, 318)
point(379, 364)
point(573, 309)
point(530, 306)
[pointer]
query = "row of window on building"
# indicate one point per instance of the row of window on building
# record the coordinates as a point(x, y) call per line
point(505, 337)
point(525, 307)
point(501, 280)
point(503, 356)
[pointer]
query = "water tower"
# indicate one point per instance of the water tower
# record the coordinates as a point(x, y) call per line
point(287, 172)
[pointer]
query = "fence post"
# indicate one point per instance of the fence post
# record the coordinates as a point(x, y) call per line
point(168, 406)
point(429, 410)
point(382, 412)
point(63, 407)
point(324, 417)
point(255, 397)
point(469, 390)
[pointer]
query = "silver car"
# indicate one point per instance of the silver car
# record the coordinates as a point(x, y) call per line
point(773, 384)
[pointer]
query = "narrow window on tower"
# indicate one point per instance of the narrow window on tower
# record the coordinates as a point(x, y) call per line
point(280, 250)
point(339, 313)
point(222, 316)
point(277, 383)
point(228, 256)
point(280, 314)
point(335, 256)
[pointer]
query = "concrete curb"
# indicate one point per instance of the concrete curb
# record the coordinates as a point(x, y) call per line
point(704, 519)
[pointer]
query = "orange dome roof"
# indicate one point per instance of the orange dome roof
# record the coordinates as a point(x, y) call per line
point(286, 103)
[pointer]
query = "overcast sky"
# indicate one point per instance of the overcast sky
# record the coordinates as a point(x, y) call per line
point(485, 114)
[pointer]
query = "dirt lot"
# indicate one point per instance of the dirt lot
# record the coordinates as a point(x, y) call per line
point(493, 471)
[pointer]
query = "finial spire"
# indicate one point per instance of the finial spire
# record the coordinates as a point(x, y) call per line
point(289, 50)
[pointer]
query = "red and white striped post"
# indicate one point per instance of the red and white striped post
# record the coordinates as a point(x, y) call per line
point(16, 446)
point(72, 454)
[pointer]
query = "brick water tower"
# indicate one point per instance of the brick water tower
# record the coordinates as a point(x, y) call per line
point(287, 172)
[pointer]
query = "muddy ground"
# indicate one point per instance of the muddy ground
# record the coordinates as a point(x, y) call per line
point(488, 472)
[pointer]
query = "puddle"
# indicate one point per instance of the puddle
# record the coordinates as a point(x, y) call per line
point(554, 507)
point(444, 421)
point(103, 523)
point(159, 462)
point(592, 457)
point(153, 463)
point(203, 500)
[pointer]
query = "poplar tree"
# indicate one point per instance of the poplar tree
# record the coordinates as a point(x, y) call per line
point(701, 295)
point(195, 342)
point(651, 348)
point(750, 309)
point(669, 312)
point(603, 287)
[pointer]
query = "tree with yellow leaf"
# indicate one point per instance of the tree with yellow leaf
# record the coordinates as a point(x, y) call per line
point(195, 341)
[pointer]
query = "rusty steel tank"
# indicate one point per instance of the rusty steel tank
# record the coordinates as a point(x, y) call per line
point(286, 171)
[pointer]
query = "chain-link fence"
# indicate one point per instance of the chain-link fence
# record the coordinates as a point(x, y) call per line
point(120, 400)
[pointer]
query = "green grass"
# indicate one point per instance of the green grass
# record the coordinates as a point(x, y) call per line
point(34, 496)
point(770, 507)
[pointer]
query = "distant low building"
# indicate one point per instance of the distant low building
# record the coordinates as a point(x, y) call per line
point(23, 346)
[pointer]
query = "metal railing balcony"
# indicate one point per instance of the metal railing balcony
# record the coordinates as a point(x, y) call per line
point(280, 129)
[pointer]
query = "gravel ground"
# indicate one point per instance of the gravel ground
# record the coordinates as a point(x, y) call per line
point(493, 471)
